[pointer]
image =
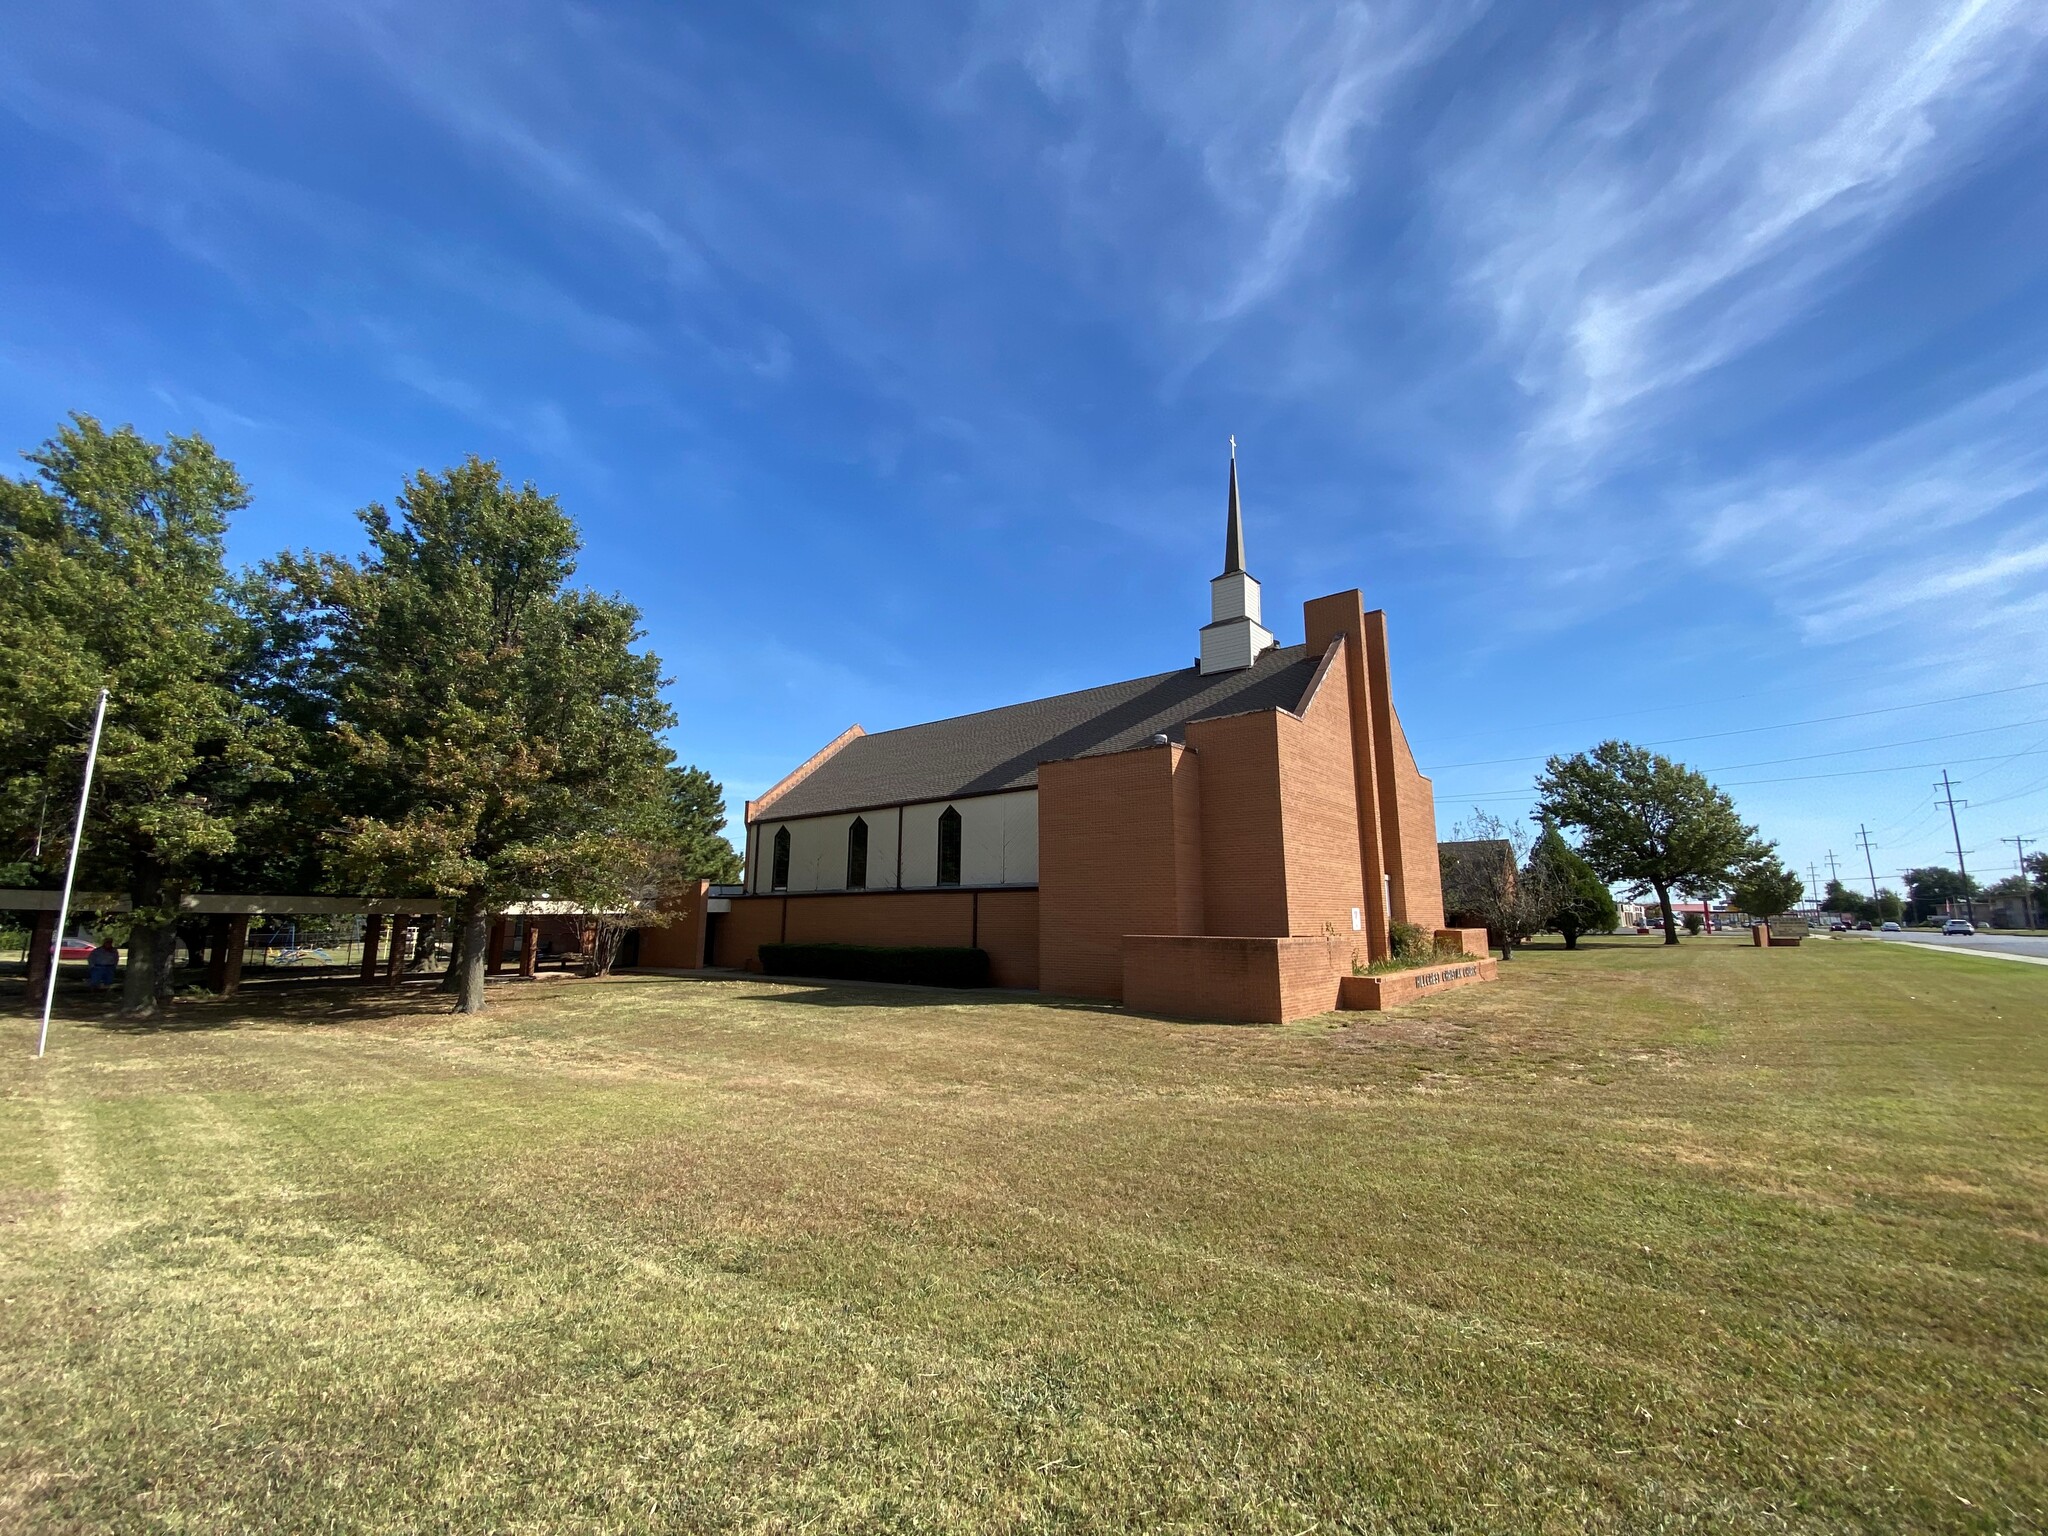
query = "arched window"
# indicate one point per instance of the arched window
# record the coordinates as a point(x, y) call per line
point(778, 873)
point(857, 855)
point(949, 846)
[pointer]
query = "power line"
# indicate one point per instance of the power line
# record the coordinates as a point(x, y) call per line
point(1797, 778)
point(1750, 730)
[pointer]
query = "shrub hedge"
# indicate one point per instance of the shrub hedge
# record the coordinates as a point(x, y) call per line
point(921, 966)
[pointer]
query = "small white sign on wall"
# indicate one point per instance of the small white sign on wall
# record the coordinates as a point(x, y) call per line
point(1357, 920)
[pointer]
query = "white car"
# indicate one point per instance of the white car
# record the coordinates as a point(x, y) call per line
point(1891, 928)
point(1957, 926)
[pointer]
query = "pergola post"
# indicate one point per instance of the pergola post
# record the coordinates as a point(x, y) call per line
point(494, 961)
point(529, 949)
point(231, 955)
point(373, 931)
point(40, 946)
point(216, 953)
point(394, 969)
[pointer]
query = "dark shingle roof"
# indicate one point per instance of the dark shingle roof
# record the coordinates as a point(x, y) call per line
point(1002, 748)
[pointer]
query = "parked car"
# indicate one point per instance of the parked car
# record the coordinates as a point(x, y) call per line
point(1891, 928)
point(1957, 926)
point(75, 948)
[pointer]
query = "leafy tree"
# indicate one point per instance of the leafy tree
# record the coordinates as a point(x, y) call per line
point(2019, 892)
point(1580, 901)
point(624, 880)
point(1694, 923)
point(1840, 898)
point(1766, 889)
point(1650, 822)
point(494, 729)
point(1489, 878)
point(1886, 907)
point(112, 575)
point(1932, 887)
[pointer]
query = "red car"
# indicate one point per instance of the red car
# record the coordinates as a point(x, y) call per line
point(76, 949)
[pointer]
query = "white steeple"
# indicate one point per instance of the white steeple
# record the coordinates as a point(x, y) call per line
point(1233, 637)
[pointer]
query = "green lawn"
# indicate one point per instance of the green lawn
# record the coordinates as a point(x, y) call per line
point(1713, 1239)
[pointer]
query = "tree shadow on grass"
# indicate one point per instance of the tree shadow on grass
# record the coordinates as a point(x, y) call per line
point(301, 1002)
point(818, 992)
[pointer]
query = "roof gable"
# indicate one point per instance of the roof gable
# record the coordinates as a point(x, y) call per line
point(1000, 749)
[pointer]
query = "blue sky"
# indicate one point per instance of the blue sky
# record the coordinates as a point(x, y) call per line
point(1674, 371)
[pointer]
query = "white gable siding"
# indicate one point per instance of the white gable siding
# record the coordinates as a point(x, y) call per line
point(998, 845)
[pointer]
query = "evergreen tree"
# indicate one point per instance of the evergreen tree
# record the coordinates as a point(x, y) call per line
point(112, 575)
point(693, 826)
point(1579, 899)
point(494, 730)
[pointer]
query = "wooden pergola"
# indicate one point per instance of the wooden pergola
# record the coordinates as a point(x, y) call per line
point(228, 930)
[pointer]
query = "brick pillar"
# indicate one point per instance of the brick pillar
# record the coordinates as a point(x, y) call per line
point(394, 969)
point(1342, 616)
point(529, 949)
point(232, 949)
point(494, 961)
point(41, 938)
point(373, 932)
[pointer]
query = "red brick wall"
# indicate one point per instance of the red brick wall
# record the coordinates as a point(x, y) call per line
point(1009, 932)
point(1319, 816)
point(1341, 617)
point(1244, 860)
point(1421, 873)
point(752, 922)
point(678, 944)
point(1238, 980)
point(1005, 923)
point(882, 917)
point(1107, 846)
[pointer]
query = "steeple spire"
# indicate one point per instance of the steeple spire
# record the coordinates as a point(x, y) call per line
point(1233, 638)
point(1233, 532)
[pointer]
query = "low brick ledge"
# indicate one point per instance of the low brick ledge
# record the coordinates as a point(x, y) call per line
point(1374, 994)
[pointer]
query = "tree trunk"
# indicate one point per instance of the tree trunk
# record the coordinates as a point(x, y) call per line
point(146, 983)
point(451, 979)
point(469, 948)
point(1571, 935)
point(1664, 906)
point(424, 942)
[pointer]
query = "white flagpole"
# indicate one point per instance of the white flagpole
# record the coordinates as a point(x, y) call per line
point(92, 757)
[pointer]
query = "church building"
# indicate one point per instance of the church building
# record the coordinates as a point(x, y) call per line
point(1227, 840)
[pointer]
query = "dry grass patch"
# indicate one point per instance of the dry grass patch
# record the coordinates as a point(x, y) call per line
point(1699, 1240)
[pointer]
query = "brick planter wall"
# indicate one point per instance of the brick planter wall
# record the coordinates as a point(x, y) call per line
point(1375, 993)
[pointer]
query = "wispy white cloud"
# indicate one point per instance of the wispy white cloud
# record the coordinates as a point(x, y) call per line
point(1668, 194)
point(1938, 530)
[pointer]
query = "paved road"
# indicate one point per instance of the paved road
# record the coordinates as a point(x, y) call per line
point(1996, 944)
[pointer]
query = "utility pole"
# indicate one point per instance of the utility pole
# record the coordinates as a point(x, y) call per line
point(2026, 885)
point(1813, 884)
point(1863, 837)
point(1834, 874)
point(1949, 794)
point(92, 757)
